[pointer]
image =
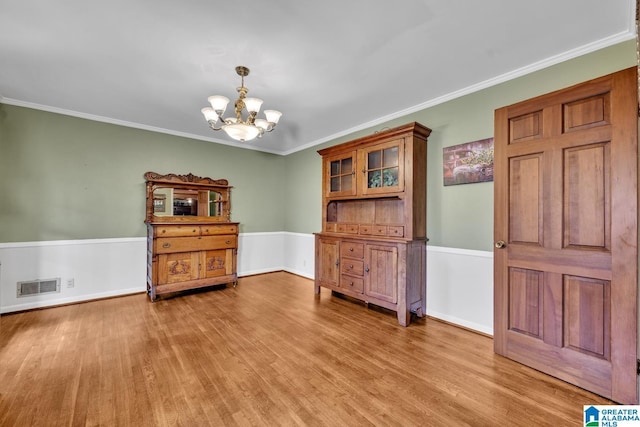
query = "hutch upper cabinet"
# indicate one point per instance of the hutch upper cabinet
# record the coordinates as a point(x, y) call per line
point(373, 241)
point(191, 241)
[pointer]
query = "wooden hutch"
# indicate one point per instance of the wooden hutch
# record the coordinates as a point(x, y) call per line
point(372, 246)
point(191, 241)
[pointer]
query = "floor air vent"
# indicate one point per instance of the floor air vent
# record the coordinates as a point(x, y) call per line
point(36, 287)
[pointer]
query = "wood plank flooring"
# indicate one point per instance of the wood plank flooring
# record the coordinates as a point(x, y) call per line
point(266, 353)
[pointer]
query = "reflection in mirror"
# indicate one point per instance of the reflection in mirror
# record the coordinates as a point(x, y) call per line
point(184, 202)
point(163, 202)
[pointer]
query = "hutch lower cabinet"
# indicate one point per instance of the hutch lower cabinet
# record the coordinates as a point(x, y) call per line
point(373, 241)
point(388, 274)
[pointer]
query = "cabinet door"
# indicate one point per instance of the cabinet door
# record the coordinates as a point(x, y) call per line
point(328, 268)
point(218, 263)
point(340, 175)
point(381, 272)
point(382, 168)
point(179, 267)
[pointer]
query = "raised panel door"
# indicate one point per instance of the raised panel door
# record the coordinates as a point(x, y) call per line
point(328, 262)
point(218, 263)
point(565, 267)
point(178, 267)
point(381, 272)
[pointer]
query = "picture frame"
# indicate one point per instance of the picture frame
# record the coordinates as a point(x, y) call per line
point(468, 163)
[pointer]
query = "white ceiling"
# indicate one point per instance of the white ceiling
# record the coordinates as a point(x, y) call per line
point(331, 66)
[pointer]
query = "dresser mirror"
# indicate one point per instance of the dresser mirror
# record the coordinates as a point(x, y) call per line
point(177, 198)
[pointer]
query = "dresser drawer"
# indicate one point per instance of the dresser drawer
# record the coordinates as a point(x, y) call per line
point(373, 230)
point(352, 266)
point(396, 231)
point(187, 244)
point(354, 284)
point(212, 230)
point(176, 230)
point(352, 250)
point(347, 228)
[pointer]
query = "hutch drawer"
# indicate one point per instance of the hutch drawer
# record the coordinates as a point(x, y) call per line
point(352, 266)
point(354, 284)
point(352, 250)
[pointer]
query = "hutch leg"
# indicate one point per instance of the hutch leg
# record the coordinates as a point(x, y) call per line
point(316, 289)
point(404, 317)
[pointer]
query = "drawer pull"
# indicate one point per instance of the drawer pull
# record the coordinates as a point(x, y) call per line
point(337, 263)
point(194, 230)
point(351, 284)
point(206, 230)
point(351, 266)
point(350, 249)
point(228, 241)
point(367, 269)
point(166, 245)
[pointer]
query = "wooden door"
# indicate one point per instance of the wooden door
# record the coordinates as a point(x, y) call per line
point(327, 262)
point(381, 268)
point(218, 263)
point(382, 168)
point(565, 278)
point(340, 175)
point(178, 267)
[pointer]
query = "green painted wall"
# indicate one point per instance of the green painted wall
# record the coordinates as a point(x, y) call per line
point(457, 216)
point(65, 178)
point(68, 178)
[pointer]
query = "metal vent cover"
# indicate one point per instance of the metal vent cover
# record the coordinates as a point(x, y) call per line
point(36, 287)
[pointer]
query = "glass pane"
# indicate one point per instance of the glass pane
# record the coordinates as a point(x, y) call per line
point(374, 160)
point(346, 166)
point(335, 168)
point(373, 179)
point(390, 157)
point(346, 183)
point(390, 177)
point(335, 183)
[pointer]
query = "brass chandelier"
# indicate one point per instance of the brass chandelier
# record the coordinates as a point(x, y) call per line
point(236, 127)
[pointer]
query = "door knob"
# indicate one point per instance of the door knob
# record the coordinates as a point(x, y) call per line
point(500, 244)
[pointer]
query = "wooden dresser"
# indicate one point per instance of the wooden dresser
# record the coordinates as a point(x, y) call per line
point(191, 241)
point(372, 246)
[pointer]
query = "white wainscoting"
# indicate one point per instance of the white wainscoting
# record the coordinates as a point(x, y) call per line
point(99, 268)
point(460, 287)
point(459, 281)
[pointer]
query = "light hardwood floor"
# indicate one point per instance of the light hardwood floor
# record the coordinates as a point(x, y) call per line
point(265, 353)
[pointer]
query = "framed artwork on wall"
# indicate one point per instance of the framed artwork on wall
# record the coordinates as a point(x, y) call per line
point(468, 163)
